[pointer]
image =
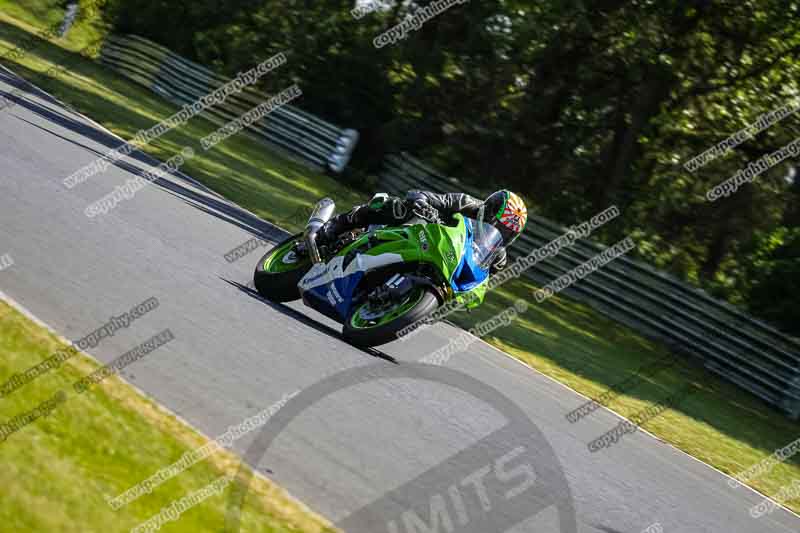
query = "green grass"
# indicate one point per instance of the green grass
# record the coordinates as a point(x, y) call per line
point(57, 470)
point(719, 424)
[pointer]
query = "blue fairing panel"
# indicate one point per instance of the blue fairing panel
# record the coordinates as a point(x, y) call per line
point(329, 288)
point(468, 274)
point(334, 299)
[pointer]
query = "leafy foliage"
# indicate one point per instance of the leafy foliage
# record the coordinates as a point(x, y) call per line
point(577, 105)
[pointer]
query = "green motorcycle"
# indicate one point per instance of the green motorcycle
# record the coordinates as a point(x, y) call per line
point(382, 281)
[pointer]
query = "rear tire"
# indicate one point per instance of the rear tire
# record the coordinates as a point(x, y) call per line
point(278, 281)
point(375, 335)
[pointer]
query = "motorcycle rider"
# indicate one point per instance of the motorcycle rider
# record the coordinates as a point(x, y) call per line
point(502, 209)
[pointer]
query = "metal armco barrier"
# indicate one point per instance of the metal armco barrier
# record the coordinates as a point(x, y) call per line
point(297, 134)
point(740, 348)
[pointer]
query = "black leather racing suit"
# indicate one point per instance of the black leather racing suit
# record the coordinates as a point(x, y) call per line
point(389, 213)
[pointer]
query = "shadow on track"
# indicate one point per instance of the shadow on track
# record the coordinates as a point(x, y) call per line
point(605, 529)
point(322, 328)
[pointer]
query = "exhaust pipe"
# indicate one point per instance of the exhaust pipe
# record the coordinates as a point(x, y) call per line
point(322, 213)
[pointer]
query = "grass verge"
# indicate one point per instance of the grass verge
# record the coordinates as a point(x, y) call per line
point(58, 468)
point(719, 424)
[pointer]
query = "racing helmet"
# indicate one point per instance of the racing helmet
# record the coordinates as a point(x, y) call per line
point(507, 212)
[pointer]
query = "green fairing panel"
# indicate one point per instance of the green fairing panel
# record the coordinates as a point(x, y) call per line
point(439, 245)
point(473, 298)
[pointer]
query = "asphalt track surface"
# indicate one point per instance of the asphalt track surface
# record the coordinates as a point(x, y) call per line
point(235, 354)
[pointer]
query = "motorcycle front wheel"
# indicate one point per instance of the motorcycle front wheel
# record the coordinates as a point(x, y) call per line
point(370, 326)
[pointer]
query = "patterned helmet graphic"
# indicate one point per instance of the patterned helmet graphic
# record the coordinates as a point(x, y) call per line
point(514, 214)
point(506, 211)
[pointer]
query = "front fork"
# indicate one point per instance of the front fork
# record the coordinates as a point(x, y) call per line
point(398, 286)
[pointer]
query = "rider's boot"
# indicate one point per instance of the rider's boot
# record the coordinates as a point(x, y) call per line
point(382, 209)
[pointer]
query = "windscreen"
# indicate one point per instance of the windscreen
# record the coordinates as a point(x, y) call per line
point(486, 241)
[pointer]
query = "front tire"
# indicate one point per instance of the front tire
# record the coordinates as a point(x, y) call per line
point(365, 327)
point(280, 270)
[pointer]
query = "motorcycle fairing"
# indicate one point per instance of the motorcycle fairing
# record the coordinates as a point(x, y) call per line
point(329, 288)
